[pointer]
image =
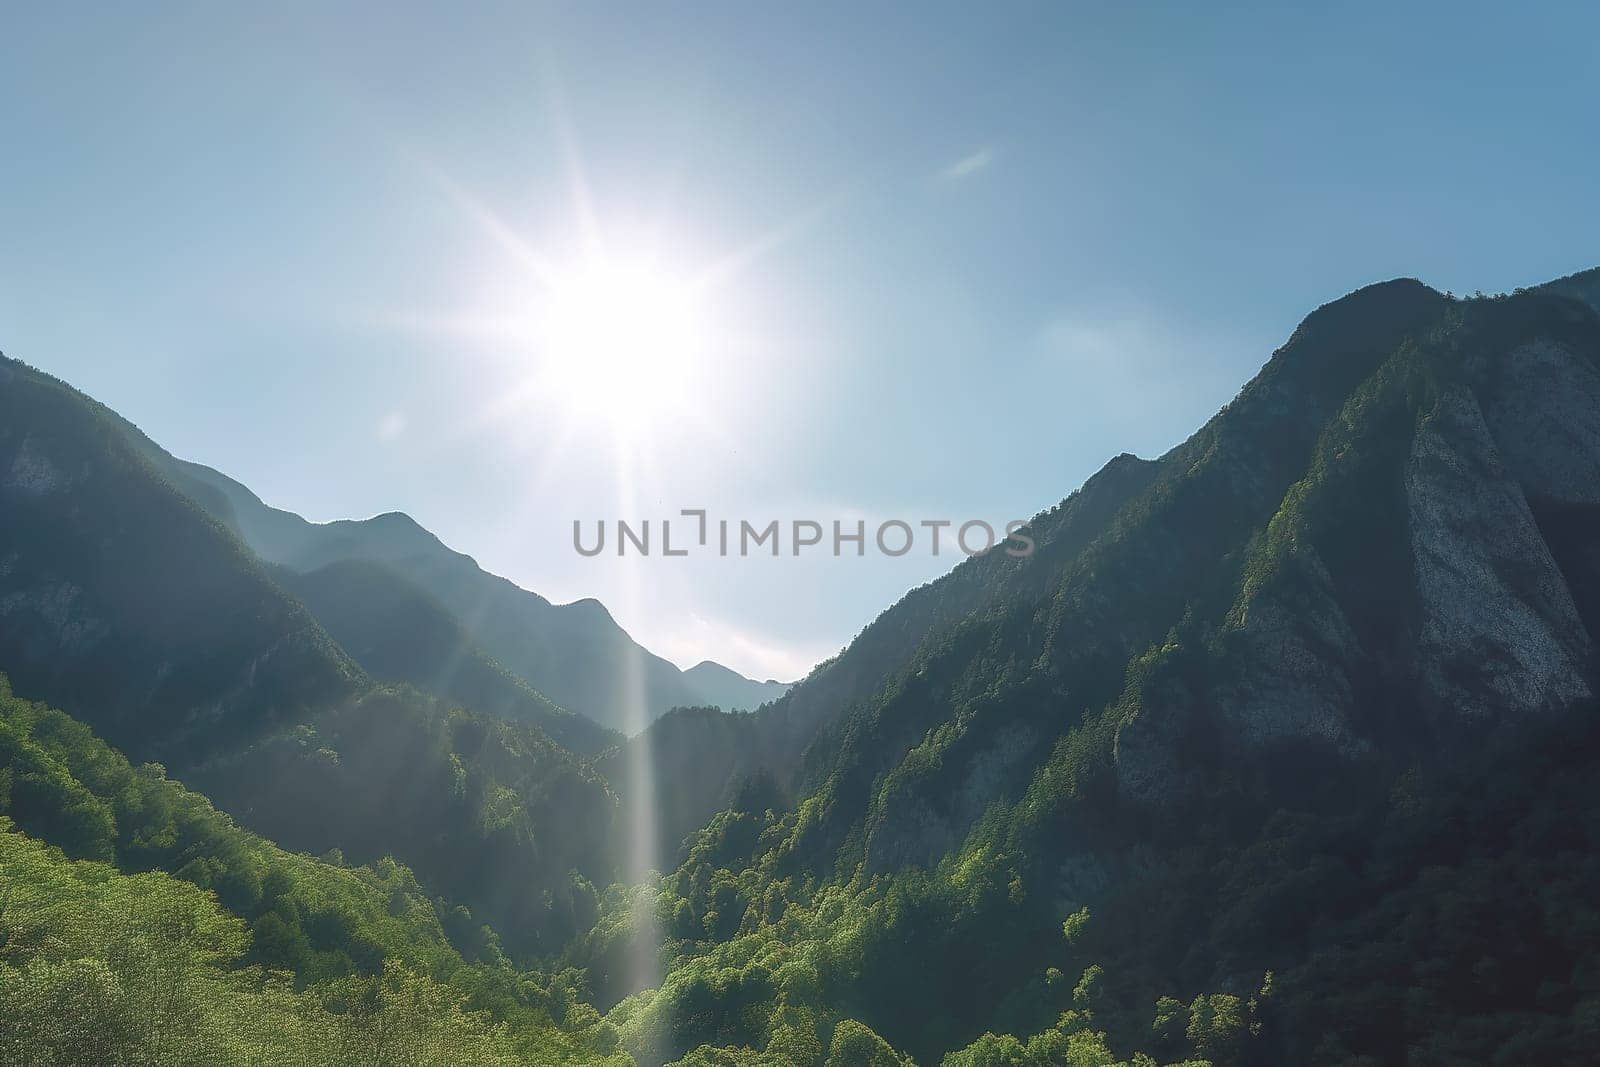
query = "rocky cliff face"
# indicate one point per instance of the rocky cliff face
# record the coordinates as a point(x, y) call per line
point(1443, 603)
point(1542, 409)
point(1500, 633)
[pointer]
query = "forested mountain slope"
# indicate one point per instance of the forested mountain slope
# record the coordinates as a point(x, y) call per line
point(491, 814)
point(65, 786)
point(1277, 419)
point(701, 761)
point(122, 602)
point(244, 953)
point(99, 967)
point(1299, 692)
point(1584, 286)
point(398, 633)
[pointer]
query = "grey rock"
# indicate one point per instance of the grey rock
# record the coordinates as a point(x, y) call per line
point(1544, 414)
point(1297, 687)
point(32, 471)
point(1500, 634)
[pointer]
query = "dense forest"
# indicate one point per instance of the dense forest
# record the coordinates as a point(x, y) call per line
point(138, 924)
point(1279, 749)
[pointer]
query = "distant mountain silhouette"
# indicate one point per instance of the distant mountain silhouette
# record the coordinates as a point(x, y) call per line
point(575, 654)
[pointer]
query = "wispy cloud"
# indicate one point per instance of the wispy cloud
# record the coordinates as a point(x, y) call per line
point(967, 166)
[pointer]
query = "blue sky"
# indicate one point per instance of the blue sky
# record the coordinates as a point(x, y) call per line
point(971, 254)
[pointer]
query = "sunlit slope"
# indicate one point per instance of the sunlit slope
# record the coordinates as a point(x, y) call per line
point(67, 787)
point(102, 967)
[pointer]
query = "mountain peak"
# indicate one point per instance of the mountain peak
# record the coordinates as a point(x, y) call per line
point(396, 518)
point(1372, 307)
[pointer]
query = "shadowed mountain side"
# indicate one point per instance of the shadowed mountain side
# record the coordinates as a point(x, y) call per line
point(491, 814)
point(398, 633)
point(702, 761)
point(128, 606)
point(1584, 286)
point(1143, 546)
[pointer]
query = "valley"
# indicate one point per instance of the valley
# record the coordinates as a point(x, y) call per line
point(1274, 749)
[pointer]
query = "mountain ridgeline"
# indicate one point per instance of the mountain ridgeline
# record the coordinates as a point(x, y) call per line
point(121, 601)
point(1217, 526)
point(575, 654)
point(401, 635)
point(126, 605)
point(1278, 749)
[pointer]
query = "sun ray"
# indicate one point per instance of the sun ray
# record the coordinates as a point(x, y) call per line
point(728, 266)
point(492, 225)
point(572, 164)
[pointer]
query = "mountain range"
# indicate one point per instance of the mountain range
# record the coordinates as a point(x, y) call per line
point(1278, 749)
point(575, 654)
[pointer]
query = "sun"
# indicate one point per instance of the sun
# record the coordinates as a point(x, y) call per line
point(623, 340)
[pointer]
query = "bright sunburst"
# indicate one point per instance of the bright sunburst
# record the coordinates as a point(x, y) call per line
point(627, 334)
point(622, 339)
